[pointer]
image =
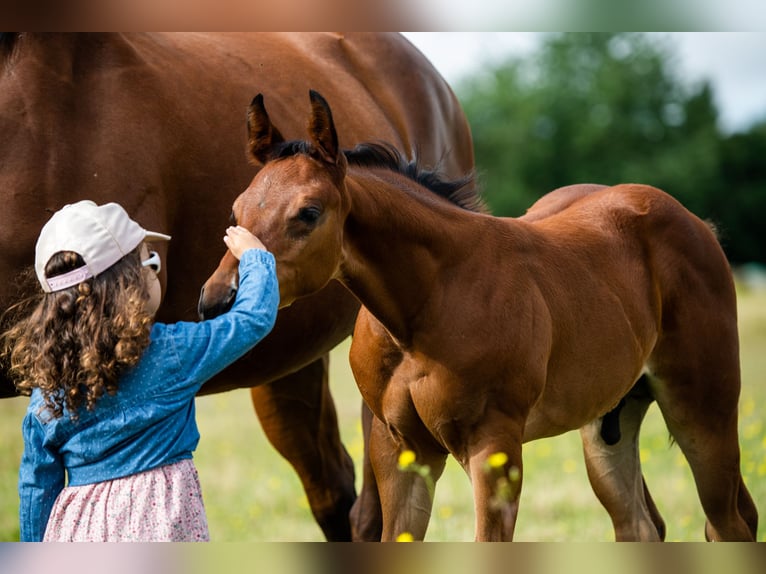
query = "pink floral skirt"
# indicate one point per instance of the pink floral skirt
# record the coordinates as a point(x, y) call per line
point(159, 505)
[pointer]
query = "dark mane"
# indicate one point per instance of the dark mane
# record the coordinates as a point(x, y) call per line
point(462, 191)
point(291, 148)
point(8, 41)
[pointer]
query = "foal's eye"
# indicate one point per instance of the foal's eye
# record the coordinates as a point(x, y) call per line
point(309, 215)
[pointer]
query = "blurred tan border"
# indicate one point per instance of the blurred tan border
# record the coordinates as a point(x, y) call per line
point(381, 15)
point(425, 558)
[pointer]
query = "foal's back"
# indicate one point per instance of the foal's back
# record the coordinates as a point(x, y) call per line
point(675, 245)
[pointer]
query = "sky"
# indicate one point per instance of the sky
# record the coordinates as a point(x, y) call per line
point(734, 62)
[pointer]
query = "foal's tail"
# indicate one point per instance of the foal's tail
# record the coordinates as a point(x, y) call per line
point(712, 226)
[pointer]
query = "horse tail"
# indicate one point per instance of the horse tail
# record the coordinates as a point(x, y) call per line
point(712, 226)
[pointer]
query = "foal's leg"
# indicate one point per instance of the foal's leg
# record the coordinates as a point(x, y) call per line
point(610, 445)
point(705, 427)
point(298, 416)
point(695, 371)
point(405, 497)
point(696, 382)
point(366, 516)
point(496, 487)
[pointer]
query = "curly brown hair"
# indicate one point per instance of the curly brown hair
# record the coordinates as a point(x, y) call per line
point(75, 343)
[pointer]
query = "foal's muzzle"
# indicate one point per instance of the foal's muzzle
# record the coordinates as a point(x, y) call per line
point(207, 310)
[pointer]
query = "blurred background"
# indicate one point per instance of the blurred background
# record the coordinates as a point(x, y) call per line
point(685, 112)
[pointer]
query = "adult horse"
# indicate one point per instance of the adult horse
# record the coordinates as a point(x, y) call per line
point(153, 121)
point(480, 333)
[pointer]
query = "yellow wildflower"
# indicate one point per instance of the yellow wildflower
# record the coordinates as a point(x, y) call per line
point(406, 458)
point(498, 459)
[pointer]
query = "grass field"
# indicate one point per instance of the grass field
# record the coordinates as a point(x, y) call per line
point(252, 494)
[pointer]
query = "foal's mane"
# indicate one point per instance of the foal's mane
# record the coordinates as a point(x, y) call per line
point(461, 191)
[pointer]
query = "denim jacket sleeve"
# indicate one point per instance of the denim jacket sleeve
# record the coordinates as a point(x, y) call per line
point(205, 348)
point(41, 478)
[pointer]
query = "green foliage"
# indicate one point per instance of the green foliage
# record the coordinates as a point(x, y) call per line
point(740, 205)
point(609, 108)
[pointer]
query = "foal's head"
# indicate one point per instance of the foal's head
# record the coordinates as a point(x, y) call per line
point(295, 204)
point(298, 202)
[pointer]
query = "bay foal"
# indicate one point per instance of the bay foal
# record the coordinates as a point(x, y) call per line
point(480, 333)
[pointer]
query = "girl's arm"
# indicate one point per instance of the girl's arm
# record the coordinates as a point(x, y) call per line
point(41, 479)
point(198, 351)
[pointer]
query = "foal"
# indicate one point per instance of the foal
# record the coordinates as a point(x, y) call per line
point(480, 333)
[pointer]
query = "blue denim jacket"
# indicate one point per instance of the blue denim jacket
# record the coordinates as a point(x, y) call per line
point(150, 421)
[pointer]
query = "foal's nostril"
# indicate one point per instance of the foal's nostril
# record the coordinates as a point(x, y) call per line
point(229, 300)
point(201, 304)
point(209, 310)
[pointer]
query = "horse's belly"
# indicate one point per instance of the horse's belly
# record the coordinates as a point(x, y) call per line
point(541, 424)
point(570, 403)
point(596, 358)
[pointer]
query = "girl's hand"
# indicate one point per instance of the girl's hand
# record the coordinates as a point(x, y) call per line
point(238, 240)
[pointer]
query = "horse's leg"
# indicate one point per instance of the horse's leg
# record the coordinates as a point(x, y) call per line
point(706, 431)
point(298, 417)
point(610, 445)
point(747, 509)
point(659, 523)
point(366, 514)
point(496, 479)
point(696, 382)
point(405, 496)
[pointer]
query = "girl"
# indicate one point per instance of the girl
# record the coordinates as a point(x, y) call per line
point(112, 395)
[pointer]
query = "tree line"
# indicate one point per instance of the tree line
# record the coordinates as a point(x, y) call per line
point(609, 108)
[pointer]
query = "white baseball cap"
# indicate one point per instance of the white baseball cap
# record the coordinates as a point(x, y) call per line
point(100, 234)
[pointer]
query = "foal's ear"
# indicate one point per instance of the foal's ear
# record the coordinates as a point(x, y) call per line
point(322, 128)
point(262, 136)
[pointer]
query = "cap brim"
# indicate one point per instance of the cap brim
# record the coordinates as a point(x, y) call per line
point(154, 236)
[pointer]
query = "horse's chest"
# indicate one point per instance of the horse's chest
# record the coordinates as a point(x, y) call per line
point(420, 395)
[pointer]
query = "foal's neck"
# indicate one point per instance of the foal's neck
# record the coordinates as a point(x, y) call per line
point(399, 239)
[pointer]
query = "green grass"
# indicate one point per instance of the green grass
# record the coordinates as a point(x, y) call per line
point(252, 494)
